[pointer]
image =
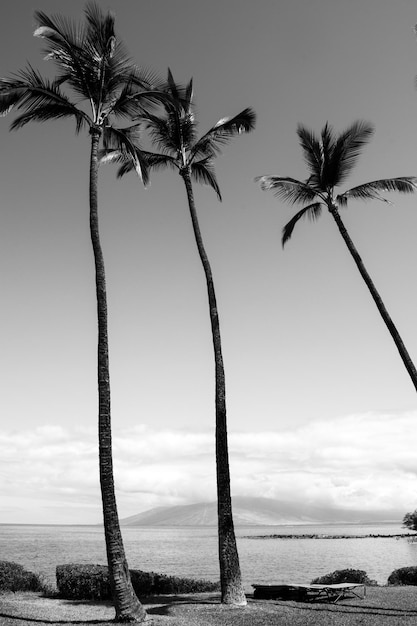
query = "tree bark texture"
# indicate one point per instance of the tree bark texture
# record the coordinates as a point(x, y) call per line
point(127, 606)
point(408, 363)
point(230, 575)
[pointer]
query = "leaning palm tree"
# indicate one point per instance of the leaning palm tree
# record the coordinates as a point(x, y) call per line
point(330, 159)
point(101, 86)
point(174, 132)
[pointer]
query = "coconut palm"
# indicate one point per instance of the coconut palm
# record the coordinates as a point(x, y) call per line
point(330, 159)
point(96, 84)
point(174, 133)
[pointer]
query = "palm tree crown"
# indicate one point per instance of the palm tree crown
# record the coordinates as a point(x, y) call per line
point(330, 159)
point(175, 134)
point(104, 84)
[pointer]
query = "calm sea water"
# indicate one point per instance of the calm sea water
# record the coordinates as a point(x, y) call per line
point(193, 551)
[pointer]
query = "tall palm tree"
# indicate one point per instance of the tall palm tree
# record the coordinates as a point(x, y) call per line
point(102, 85)
point(174, 132)
point(330, 159)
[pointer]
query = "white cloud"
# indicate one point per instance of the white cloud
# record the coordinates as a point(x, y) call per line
point(367, 461)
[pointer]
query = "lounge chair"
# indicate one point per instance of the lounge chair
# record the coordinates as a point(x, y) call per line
point(307, 593)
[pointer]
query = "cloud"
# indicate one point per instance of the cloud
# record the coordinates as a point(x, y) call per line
point(365, 461)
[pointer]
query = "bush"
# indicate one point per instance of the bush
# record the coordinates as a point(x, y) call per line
point(83, 582)
point(150, 583)
point(403, 576)
point(14, 577)
point(410, 520)
point(91, 582)
point(344, 576)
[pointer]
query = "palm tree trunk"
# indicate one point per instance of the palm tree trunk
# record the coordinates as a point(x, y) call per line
point(409, 365)
point(128, 608)
point(230, 576)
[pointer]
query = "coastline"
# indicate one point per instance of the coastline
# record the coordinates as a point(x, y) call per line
point(331, 536)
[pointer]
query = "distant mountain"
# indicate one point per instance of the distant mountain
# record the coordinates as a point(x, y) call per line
point(255, 512)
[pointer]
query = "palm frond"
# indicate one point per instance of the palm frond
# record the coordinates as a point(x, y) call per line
point(312, 151)
point(66, 45)
point(109, 67)
point(181, 96)
point(59, 31)
point(172, 86)
point(100, 29)
point(188, 96)
point(313, 212)
point(173, 133)
point(327, 144)
point(10, 95)
point(40, 99)
point(157, 161)
point(185, 129)
point(108, 64)
point(125, 168)
point(288, 189)
point(153, 160)
point(178, 115)
point(203, 172)
point(111, 155)
point(163, 132)
point(222, 132)
point(124, 142)
point(136, 102)
point(47, 113)
point(143, 78)
point(373, 190)
point(117, 138)
point(346, 151)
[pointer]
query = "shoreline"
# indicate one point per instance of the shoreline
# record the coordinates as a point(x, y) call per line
point(328, 536)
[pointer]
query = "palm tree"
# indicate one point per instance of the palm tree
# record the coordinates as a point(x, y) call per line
point(174, 132)
point(105, 86)
point(330, 159)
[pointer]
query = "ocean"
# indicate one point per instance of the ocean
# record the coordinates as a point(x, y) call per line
point(192, 551)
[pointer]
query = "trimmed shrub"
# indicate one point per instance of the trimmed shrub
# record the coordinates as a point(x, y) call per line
point(91, 582)
point(149, 583)
point(83, 582)
point(14, 577)
point(344, 576)
point(403, 576)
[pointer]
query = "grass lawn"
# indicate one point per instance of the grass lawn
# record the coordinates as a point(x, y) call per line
point(382, 606)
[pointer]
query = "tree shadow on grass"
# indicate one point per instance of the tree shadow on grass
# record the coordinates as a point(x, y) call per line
point(350, 609)
point(165, 606)
point(162, 604)
point(154, 605)
point(37, 620)
point(89, 603)
point(203, 598)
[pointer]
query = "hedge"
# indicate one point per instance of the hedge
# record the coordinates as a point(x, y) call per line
point(344, 576)
point(14, 577)
point(403, 576)
point(91, 582)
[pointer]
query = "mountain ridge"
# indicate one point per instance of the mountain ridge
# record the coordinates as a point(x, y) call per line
point(252, 511)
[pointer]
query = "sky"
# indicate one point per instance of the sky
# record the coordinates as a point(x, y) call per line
point(320, 407)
